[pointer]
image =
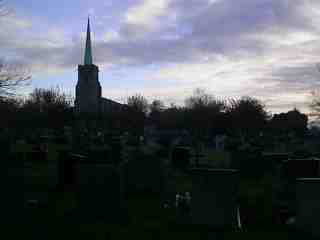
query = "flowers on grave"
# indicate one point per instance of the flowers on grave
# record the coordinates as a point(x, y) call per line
point(183, 200)
point(183, 207)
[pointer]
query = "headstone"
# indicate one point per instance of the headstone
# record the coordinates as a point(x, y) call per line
point(249, 162)
point(116, 149)
point(13, 191)
point(275, 157)
point(298, 168)
point(68, 170)
point(100, 155)
point(214, 197)
point(36, 176)
point(36, 156)
point(308, 205)
point(144, 173)
point(101, 193)
point(180, 157)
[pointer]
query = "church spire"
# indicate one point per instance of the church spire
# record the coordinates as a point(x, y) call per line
point(88, 51)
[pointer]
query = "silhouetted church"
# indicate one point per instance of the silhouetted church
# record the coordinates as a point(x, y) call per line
point(88, 88)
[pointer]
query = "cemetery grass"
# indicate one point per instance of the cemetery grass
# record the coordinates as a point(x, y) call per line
point(148, 221)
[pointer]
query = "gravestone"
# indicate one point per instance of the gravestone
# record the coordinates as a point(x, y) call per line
point(273, 160)
point(144, 173)
point(13, 191)
point(101, 193)
point(246, 161)
point(102, 155)
point(214, 197)
point(297, 168)
point(68, 170)
point(290, 171)
point(180, 157)
point(116, 149)
point(308, 205)
point(36, 176)
point(36, 156)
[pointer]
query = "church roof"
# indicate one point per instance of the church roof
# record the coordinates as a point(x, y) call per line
point(88, 50)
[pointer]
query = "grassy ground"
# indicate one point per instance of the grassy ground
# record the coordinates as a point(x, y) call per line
point(148, 221)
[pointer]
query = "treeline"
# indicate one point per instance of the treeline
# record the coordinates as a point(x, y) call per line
point(43, 108)
point(202, 114)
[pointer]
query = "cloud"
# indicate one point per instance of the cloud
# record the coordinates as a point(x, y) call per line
point(264, 48)
point(111, 36)
point(147, 14)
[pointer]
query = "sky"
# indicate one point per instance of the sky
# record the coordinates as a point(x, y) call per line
point(165, 49)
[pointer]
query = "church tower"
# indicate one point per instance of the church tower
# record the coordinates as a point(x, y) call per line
point(88, 88)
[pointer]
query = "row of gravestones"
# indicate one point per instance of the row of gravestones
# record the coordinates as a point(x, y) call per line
point(301, 179)
point(212, 203)
point(215, 203)
point(304, 177)
point(101, 187)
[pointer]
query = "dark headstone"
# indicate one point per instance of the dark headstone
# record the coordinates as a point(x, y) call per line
point(302, 168)
point(116, 149)
point(214, 197)
point(101, 193)
point(308, 207)
point(144, 173)
point(13, 192)
point(249, 163)
point(101, 155)
point(180, 157)
point(275, 158)
point(36, 156)
point(68, 170)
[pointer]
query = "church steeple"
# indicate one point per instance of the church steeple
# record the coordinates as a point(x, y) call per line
point(88, 51)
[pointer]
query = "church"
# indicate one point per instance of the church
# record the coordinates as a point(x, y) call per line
point(88, 88)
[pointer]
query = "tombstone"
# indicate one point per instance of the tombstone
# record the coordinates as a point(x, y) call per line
point(249, 162)
point(5, 149)
point(214, 197)
point(275, 158)
point(53, 174)
point(298, 168)
point(68, 172)
point(116, 149)
point(101, 193)
point(144, 173)
point(290, 171)
point(102, 155)
point(308, 205)
point(36, 156)
point(180, 157)
point(13, 191)
point(36, 176)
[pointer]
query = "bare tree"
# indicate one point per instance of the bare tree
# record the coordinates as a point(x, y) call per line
point(12, 77)
point(138, 102)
